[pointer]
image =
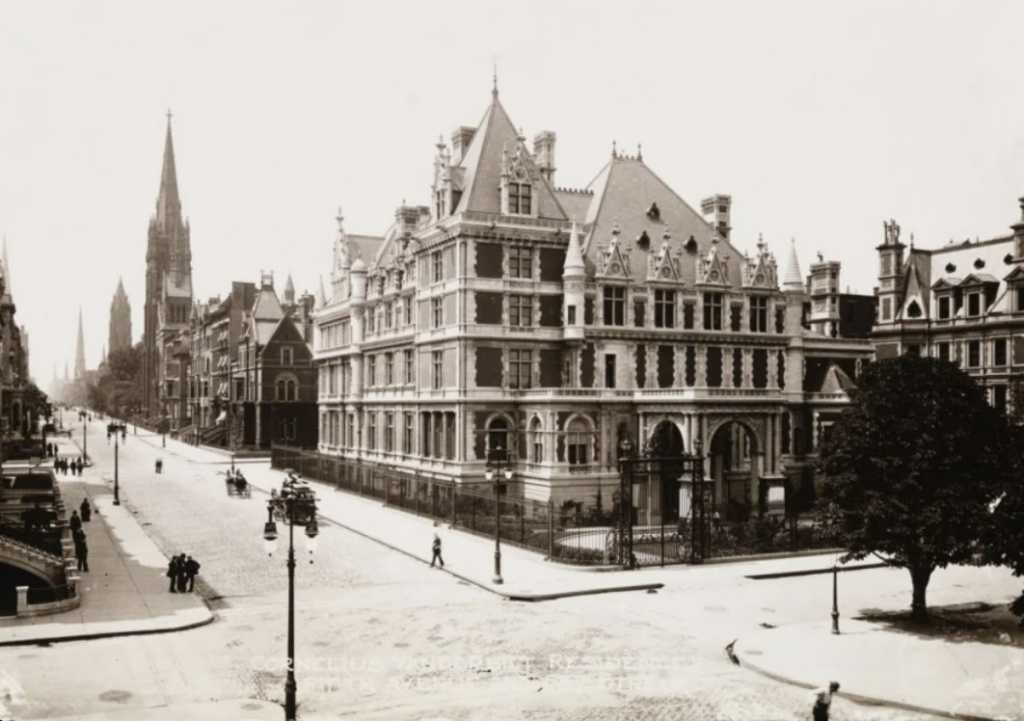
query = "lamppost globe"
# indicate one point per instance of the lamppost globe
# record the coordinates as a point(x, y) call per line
point(508, 474)
point(270, 537)
point(489, 475)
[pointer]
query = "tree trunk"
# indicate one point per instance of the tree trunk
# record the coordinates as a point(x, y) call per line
point(920, 576)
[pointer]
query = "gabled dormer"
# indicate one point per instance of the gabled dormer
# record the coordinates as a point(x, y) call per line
point(1015, 290)
point(948, 298)
point(518, 178)
point(613, 262)
point(761, 271)
point(662, 266)
point(713, 270)
point(979, 293)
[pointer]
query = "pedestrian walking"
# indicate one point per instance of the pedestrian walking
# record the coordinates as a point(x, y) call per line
point(822, 698)
point(75, 523)
point(437, 551)
point(172, 573)
point(191, 571)
point(86, 510)
point(82, 551)
point(81, 465)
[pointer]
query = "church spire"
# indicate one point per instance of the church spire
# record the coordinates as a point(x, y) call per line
point(168, 204)
point(7, 271)
point(80, 349)
point(793, 280)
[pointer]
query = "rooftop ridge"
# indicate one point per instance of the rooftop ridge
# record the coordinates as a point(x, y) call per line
point(581, 191)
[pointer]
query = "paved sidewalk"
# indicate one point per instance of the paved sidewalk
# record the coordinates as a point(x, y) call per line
point(470, 557)
point(125, 591)
point(872, 664)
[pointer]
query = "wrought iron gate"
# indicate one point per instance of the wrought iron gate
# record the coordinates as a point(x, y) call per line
point(671, 528)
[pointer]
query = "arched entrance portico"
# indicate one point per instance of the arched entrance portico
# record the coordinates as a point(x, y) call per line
point(736, 458)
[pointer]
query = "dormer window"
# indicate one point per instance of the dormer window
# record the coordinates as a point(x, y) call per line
point(519, 198)
point(914, 310)
point(973, 304)
point(1020, 298)
point(945, 307)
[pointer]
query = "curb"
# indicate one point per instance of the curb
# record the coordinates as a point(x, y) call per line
point(511, 596)
point(110, 634)
point(814, 571)
point(857, 698)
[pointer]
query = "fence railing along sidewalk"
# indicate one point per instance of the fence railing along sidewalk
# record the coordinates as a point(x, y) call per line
point(569, 533)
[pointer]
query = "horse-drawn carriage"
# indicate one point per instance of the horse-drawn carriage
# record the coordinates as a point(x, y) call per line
point(303, 501)
point(236, 484)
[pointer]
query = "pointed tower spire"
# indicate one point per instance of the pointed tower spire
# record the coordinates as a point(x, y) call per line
point(168, 204)
point(289, 291)
point(573, 265)
point(321, 297)
point(793, 280)
point(7, 270)
point(494, 87)
point(80, 349)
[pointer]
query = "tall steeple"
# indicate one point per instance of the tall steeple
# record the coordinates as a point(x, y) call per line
point(168, 203)
point(120, 332)
point(289, 291)
point(80, 350)
point(7, 271)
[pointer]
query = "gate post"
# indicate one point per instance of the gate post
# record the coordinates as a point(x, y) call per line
point(453, 498)
point(551, 529)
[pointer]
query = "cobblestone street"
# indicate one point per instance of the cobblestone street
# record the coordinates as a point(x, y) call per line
point(381, 636)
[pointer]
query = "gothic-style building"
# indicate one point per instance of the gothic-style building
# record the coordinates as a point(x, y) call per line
point(516, 316)
point(13, 364)
point(120, 321)
point(962, 302)
point(168, 302)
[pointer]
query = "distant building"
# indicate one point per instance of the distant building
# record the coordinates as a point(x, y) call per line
point(13, 362)
point(962, 302)
point(168, 301)
point(120, 336)
point(513, 318)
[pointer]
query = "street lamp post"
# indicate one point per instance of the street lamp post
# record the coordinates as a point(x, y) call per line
point(117, 492)
point(85, 441)
point(288, 498)
point(497, 462)
point(835, 598)
point(625, 498)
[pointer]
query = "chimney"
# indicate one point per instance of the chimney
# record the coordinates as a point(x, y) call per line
point(544, 154)
point(717, 212)
point(461, 139)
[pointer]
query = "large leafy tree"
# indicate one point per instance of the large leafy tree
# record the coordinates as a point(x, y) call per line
point(912, 467)
point(119, 387)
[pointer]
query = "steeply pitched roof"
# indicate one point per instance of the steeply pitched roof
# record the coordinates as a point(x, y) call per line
point(793, 277)
point(267, 307)
point(482, 167)
point(624, 192)
point(168, 203)
point(836, 381)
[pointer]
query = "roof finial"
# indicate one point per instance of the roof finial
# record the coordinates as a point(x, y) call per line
point(169, 117)
point(494, 87)
point(640, 152)
point(615, 151)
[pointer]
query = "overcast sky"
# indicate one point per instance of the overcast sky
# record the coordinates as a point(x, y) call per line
point(820, 119)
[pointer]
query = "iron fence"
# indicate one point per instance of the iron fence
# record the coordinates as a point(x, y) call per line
point(47, 540)
point(573, 532)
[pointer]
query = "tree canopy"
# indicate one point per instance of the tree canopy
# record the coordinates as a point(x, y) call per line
point(913, 465)
point(119, 385)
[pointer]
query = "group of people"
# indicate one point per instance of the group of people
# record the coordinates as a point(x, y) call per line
point(182, 570)
point(78, 535)
point(63, 465)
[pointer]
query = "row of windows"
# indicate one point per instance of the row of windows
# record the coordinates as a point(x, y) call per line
point(998, 354)
point(665, 311)
point(386, 375)
point(381, 371)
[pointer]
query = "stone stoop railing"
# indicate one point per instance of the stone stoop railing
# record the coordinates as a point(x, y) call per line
point(45, 601)
point(34, 560)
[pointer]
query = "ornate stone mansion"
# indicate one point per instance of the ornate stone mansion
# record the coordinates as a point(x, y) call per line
point(511, 314)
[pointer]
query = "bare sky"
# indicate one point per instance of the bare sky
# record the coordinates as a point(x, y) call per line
point(821, 119)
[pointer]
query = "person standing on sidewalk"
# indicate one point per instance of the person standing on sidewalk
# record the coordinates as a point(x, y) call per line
point(172, 573)
point(75, 523)
point(82, 551)
point(823, 701)
point(437, 552)
point(191, 571)
point(86, 510)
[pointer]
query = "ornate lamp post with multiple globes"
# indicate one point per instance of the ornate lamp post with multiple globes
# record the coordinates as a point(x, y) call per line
point(289, 500)
point(494, 474)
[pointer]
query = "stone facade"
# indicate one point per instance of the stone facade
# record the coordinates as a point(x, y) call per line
point(554, 323)
point(962, 302)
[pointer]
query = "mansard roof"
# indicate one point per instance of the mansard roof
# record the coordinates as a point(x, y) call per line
point(624, 190)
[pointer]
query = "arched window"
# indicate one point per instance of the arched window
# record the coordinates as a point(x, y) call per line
point(291, 393)
point(497, 437)
point(287, 387)
point(577, 442)
point(536, 441)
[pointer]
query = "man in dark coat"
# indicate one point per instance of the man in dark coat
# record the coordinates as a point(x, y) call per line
point(82, 551)
point(191, 571)
point(75, 523)
point(182, 575)
point(437, 552)
point(86, 510)
point(172, 573)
